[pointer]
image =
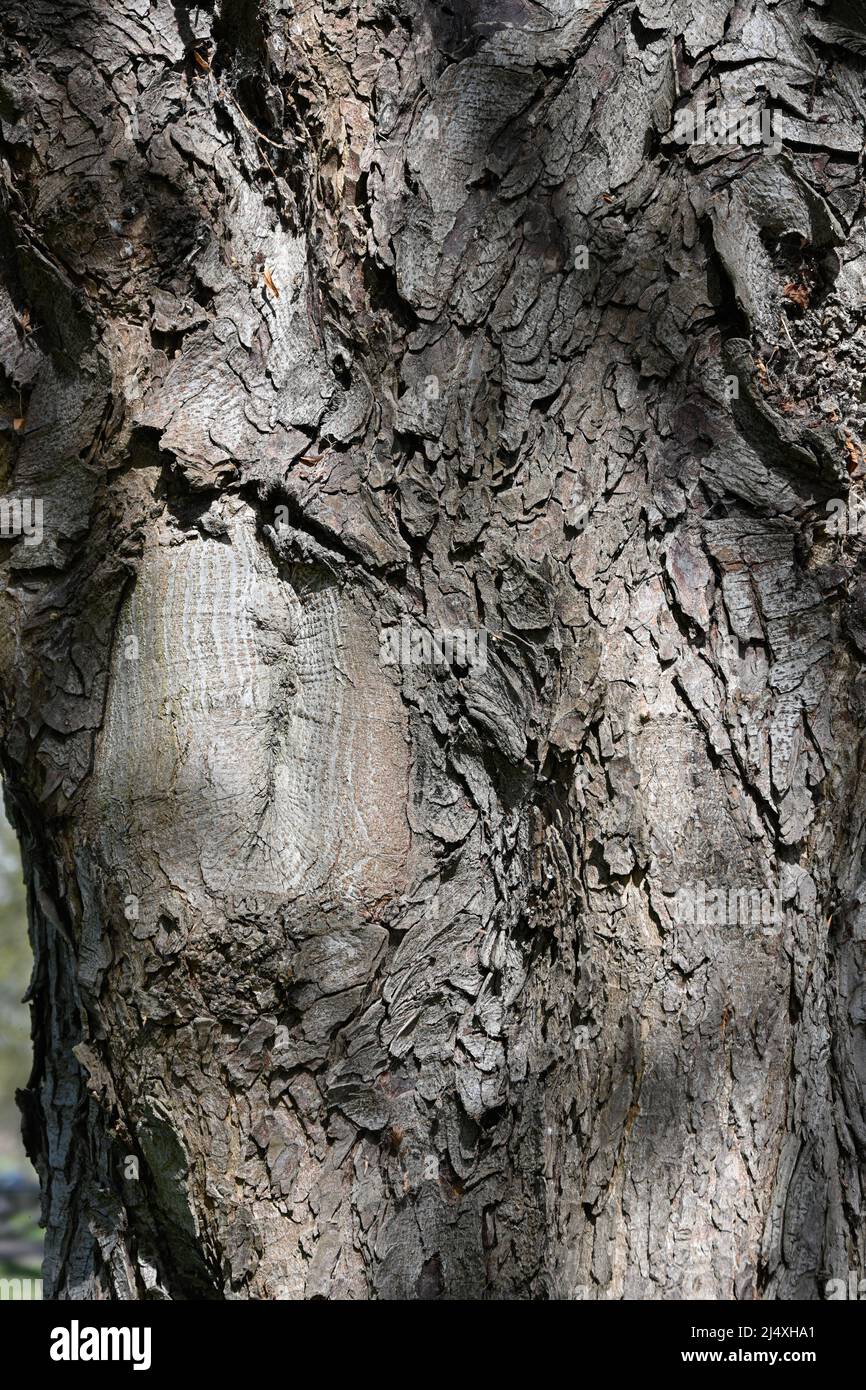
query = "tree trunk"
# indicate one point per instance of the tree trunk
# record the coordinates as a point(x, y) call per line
point(368, 968)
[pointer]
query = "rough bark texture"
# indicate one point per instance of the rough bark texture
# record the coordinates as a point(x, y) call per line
point(375, 970)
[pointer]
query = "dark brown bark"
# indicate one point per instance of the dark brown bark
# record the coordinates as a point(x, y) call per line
point(363, 978)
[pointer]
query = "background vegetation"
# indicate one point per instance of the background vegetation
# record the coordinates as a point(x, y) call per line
point(20, 1237)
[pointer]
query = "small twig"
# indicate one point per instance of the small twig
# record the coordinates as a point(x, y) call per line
point(227, 96)
point(811, 101)
point(509, 637)
point(790, 339)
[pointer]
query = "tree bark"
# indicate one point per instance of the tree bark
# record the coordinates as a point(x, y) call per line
point(369, 979)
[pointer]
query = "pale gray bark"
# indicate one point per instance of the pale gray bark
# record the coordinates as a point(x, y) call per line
point(374, 970)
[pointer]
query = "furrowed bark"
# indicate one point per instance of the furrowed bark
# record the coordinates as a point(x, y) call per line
point(360, 978)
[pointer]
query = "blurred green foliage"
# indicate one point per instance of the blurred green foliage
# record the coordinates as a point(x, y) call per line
point(20, 1237)
point(15, 964)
